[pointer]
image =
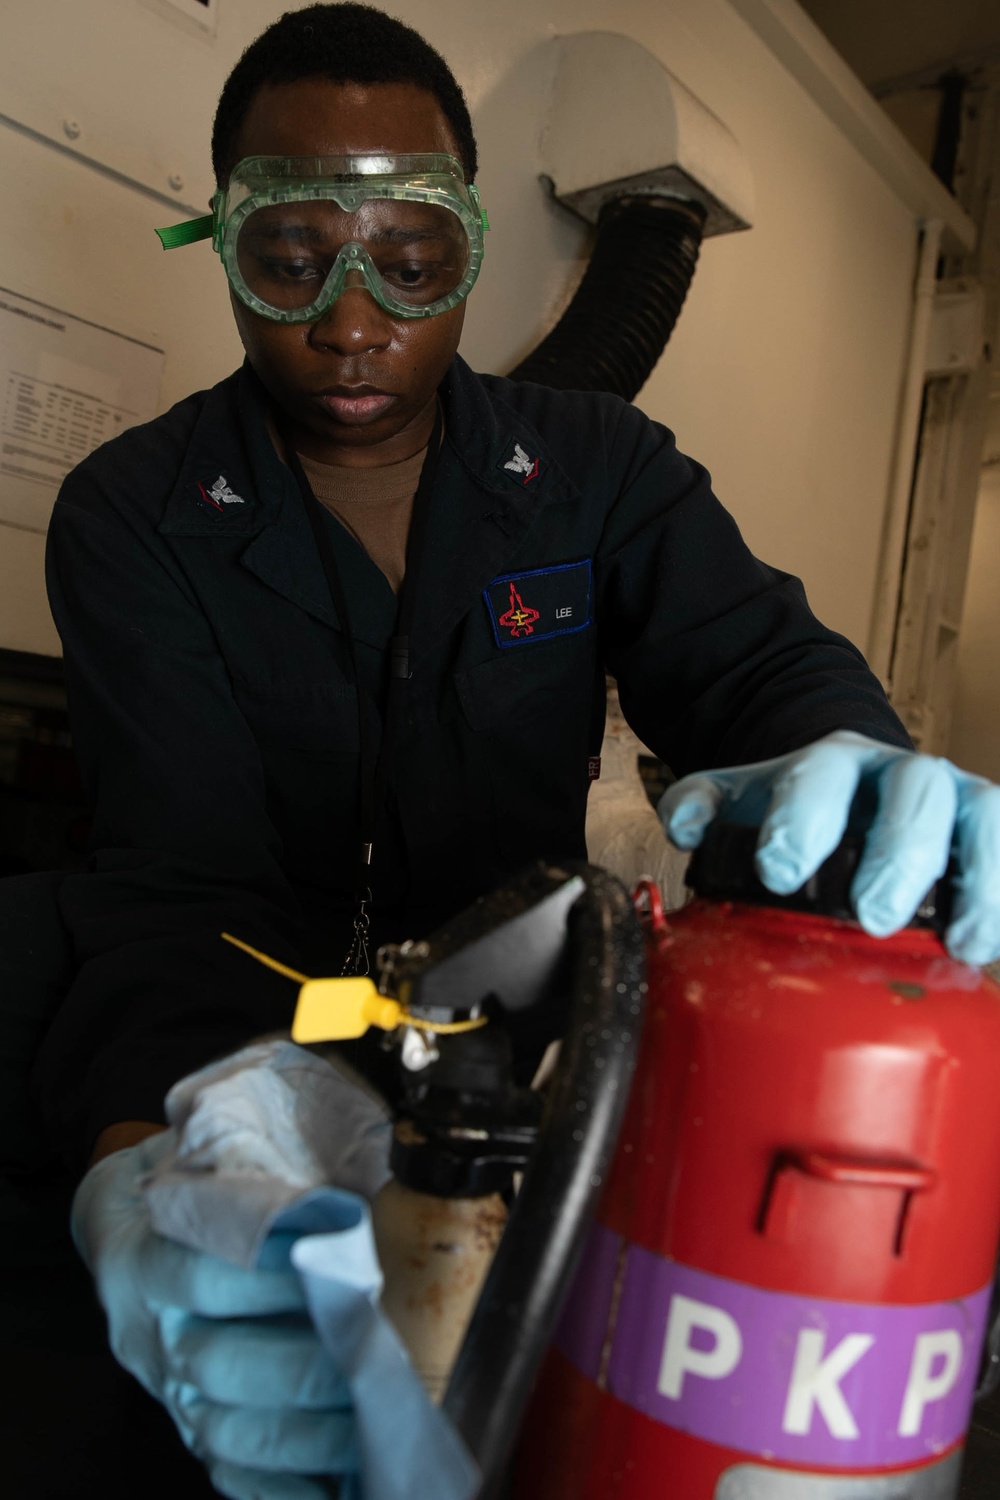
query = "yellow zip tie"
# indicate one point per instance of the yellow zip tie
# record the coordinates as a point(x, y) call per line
point(266, 960)
point(337, 1010)
point(443, 1028)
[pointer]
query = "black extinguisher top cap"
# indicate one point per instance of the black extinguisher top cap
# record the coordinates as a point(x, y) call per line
point(722, 868)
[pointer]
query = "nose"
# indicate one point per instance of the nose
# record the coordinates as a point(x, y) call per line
point(352, 324)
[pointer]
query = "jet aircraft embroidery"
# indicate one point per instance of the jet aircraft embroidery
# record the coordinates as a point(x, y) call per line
point(520, 618)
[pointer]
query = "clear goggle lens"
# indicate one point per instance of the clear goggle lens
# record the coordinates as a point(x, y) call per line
point(290, 256)
point(295, 232)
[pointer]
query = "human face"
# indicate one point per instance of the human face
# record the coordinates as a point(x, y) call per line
point(357, 387)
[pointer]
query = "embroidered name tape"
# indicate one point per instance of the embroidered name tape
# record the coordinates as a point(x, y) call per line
point(535, 606)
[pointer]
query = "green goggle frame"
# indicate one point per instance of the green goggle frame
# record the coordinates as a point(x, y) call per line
point(260, 182)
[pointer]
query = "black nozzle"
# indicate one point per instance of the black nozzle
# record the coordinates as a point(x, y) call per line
point(464, 1127)
point(722, 867)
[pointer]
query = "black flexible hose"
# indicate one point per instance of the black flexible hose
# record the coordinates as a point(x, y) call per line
point(541, 1247)
point(615, 328)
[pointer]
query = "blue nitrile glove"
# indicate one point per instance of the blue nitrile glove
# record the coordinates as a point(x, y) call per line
point(407, 1446)
point(924, 807)
point(229, 1352)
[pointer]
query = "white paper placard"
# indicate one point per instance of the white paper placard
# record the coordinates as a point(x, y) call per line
point(66, 386)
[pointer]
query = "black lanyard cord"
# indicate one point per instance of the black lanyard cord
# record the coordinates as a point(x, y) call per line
point(374, 767)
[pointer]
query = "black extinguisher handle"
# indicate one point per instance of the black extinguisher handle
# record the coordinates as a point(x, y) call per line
point(989, 1369)
point(533, 1269)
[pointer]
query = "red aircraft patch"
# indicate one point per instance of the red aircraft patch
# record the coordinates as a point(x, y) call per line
point(520, 618)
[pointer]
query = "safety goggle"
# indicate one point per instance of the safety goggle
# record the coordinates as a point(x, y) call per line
point(294, 232)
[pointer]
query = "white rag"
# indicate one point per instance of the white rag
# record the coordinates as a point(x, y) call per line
point(278, 1154)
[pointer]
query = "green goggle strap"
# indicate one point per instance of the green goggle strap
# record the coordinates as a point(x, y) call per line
point(474, 195)
point(192, 230)
point(187, 233)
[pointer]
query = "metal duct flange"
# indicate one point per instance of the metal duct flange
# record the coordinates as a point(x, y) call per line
point(619, 123)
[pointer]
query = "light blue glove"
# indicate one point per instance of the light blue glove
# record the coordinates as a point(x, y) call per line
point(924, 807)
point(229, 1352)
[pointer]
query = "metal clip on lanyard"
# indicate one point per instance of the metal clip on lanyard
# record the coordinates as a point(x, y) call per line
point(374, 765)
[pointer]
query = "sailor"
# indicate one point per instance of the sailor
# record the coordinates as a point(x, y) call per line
point(336, 634)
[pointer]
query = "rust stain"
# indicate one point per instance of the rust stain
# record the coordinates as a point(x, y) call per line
point(408, 1134)
point(432, 1296)
point(906, 990)
point(488, 1223)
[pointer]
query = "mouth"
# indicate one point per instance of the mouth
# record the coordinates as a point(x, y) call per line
point(355, 404)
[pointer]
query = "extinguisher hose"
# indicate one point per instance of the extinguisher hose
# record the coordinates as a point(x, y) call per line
point(624, 310)
point(989, 1366)
point(541, 1247)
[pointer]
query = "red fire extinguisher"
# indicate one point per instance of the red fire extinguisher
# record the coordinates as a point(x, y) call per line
point(786, 1292)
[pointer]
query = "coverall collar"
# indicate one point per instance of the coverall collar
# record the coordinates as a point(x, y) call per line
point(495, 474)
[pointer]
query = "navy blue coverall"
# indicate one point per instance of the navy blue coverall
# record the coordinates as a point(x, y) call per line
point(216, 724)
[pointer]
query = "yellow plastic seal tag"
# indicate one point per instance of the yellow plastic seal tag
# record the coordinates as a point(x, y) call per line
point(338, 1010)
point(335, 1010)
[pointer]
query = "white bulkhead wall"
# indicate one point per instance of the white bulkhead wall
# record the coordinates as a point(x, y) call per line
point(784, 372)
point(975, 743)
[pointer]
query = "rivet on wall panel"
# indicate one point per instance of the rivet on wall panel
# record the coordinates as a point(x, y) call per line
point(71, 129)
point(176, 181)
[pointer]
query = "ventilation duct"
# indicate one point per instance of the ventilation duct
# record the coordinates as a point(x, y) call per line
point(631, 150)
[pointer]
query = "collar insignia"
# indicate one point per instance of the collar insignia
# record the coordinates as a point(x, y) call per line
point(217, 494)
point(521, 465)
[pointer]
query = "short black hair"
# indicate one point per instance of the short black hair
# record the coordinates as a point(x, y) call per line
point(346, 44)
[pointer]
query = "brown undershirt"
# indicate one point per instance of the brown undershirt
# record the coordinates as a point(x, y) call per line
point(375, 505)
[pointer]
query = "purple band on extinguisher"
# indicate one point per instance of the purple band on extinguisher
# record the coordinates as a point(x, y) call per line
point(806, 1380)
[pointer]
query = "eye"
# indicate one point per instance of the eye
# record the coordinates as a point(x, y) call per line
point(425, 279)
point(411, 275)
point(282, 269)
